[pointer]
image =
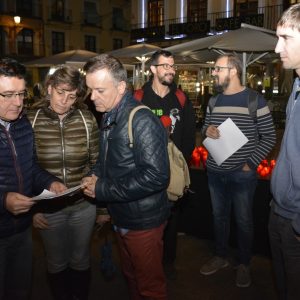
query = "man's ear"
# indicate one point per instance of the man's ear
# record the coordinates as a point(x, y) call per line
point(122, 87)
point(153, 69)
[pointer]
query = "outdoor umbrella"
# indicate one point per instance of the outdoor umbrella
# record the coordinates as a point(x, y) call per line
point(77, 57)
point(251, 42)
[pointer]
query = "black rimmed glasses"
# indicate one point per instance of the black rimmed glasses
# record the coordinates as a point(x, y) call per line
point(167, 66)
point(217, 69)
point(10, 96)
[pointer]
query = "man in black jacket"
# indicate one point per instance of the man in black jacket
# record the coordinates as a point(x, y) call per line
point(20, 178)
point(163, 97)
point(131, 181)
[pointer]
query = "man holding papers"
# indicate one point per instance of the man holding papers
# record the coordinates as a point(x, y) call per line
point(237, 142)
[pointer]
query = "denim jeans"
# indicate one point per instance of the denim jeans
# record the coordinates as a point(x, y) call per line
point(67, 241)
point(285, 257)
point(233, 189)
point(16, 266)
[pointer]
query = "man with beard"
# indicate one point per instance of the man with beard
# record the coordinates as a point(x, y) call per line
point(233, 182)
point(163, 97)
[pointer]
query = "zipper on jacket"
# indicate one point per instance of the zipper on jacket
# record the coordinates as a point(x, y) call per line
point(15, 157)
point(61, 125)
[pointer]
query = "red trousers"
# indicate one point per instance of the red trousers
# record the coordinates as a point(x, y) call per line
point(141, 258)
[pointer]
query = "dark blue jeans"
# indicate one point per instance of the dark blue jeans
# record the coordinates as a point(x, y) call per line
point(233, 189)
point(16, 266)
point(285, 257)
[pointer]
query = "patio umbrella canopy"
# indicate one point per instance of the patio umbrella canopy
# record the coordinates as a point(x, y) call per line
point(77, 57)
point(251, 42)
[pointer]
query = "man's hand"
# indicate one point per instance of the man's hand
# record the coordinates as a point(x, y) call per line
point(212, 132)
point(246, 168)
point(40, 222)
point(89, 184)
point(17, 203)
point(57, 187)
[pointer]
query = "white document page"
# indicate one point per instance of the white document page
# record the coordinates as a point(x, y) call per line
point(231, 139)
point(50, 195)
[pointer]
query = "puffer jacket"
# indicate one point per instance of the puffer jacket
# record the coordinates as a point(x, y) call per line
point(19, 172)
point(133, 181)
point(66, 148)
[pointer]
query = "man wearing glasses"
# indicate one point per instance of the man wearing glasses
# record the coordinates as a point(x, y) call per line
point(233, 182)
point(163, 97)
point(20, 177)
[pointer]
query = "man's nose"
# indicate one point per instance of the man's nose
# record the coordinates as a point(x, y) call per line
point(18, 100)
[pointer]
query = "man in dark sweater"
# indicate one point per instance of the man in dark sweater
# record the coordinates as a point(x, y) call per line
point(163, 97)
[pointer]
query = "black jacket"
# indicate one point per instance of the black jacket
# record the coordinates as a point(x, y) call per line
point(133, 181)
point(19, 172)
point(183, 118)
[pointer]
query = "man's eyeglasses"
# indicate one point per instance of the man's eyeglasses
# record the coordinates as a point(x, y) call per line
point(167, 66)
point(219, 68)
point(62, 92)
point(11, 96)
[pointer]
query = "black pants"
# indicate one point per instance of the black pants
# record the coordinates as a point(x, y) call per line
point(285, 257)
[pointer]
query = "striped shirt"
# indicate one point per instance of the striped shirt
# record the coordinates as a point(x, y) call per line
point(261, 136)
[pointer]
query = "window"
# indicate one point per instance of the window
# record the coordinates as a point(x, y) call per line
point(90, 43)
point(117, 44)
point(58, 42)
point(24, 7)
point(25, 42)
point(197, 10)
point(245, 7)
point(155, 13)
point(90, 13)
point(57, 10)
point(2, 41)
point(118, 19)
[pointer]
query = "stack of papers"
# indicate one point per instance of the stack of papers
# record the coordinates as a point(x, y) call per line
point(50, 195)
point(231, 139)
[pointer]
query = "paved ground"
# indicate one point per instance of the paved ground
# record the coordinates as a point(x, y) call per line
point(190, 284)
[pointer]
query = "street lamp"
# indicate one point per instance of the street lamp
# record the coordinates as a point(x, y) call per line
point(17, 20)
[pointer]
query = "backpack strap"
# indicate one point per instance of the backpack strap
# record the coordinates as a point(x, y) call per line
point(138, 95)
point(181, 97)
point(131, 115)
point(212, 102)
point(253, 104)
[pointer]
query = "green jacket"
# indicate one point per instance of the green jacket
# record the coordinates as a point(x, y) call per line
point(66, 148)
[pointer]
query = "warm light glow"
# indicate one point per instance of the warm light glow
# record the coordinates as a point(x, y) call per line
point(17, 19)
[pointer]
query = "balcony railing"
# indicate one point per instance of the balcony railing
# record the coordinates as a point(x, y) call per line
point(65, 16)
point(266, 17)
point(34, 11)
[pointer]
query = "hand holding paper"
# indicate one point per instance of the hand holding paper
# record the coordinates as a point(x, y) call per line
point(231, 139)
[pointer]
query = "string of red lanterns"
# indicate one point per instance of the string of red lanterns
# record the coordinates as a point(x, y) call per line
point(200, 154)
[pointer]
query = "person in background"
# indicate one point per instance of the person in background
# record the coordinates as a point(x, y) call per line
point(66, 136)
point(20, 178)
point(284, 221)
point(160, 94)
point(233, 183)
point(131, 181)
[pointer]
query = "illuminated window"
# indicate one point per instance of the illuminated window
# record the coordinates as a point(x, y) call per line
point(197, 10)
point(155, 13)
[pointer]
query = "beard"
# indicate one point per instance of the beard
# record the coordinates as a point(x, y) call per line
point(220, 88)
point(164, 80)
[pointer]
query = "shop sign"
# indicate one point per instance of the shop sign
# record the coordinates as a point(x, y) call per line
point(149, 32)
point(235, 22)
point(190, 28)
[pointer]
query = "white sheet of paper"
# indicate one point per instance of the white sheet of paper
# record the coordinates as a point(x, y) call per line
point(50, 195)
point(231, 139)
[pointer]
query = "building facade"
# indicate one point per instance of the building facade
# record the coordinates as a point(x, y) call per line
point(47, 27)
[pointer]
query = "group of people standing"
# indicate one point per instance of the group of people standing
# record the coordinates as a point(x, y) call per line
point(59, 145)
